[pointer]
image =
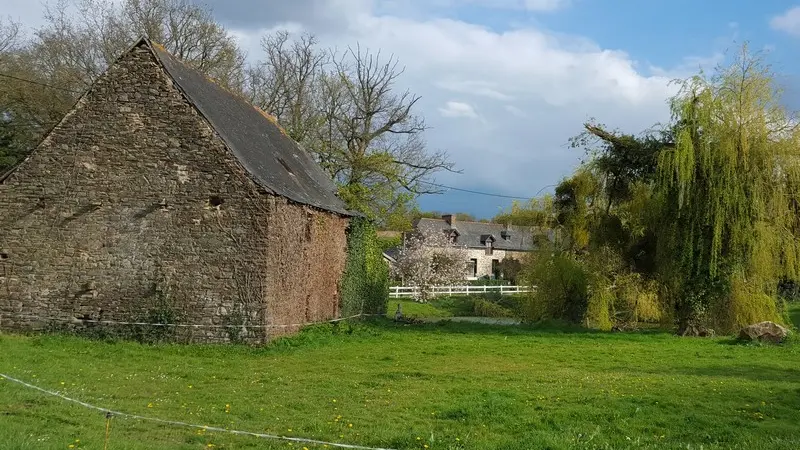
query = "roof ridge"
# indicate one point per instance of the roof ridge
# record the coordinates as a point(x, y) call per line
point(262, 152)
point(480, 223)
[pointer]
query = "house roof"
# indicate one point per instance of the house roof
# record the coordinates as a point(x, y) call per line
point(276, 161)
point(392, 253)
point(475, 234)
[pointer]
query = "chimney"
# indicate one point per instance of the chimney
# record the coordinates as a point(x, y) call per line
point(450, 219)
point(506, 233)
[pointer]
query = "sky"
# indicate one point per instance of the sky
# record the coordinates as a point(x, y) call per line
point(504, 84)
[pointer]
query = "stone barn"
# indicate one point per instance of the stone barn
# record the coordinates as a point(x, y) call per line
point(162, 197)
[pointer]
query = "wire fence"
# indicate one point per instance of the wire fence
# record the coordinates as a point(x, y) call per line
point(156, 331)
point(79, 321)
point(111, 413)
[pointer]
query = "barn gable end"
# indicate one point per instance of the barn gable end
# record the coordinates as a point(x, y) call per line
point(134, 209)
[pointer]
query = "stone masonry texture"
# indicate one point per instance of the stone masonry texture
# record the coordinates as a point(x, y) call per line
point(132, 208)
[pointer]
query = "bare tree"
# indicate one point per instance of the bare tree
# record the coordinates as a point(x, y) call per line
point(346, 109)
point(81, 38)
point(10, 35)
point(286, 83)
point(190, 33)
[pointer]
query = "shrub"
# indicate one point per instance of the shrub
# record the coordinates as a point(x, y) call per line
point(561, 288)
point(485, 308)
point(595, 290)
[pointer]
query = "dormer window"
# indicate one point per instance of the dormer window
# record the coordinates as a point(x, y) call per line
point(505, 234)
point(488, 241)
point(452, 235)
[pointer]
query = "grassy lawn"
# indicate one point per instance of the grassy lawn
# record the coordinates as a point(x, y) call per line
point(439, 307)
point(444, 386)
point(457, 305)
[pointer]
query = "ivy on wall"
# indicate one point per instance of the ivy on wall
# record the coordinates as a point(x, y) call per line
point(365, 284)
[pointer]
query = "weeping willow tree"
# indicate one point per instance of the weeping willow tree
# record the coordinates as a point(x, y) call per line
point(729, 196)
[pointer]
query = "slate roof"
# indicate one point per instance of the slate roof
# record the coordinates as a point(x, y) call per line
point(392, 253)
point(475, 234)
point(276, 161)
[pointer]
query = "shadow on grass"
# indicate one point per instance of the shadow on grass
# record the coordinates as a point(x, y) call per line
point(794, 314)
point(455, 327)
point(751, 372)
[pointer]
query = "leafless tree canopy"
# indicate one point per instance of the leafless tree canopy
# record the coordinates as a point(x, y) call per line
point(81, 38)
point(346, 109)
point(10, 35)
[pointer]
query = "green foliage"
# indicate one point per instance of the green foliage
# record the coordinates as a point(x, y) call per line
point(729, 189)
point(13, 144)
point(418, 214)
point(573, 198)
point(388, 242)
point(365, 284)
point(598, 308)
point(562, 286)
point(486, 308)
point(487, 280)
point(537, 212)
point(510, 268)
point(593, 289)
point(701, 219)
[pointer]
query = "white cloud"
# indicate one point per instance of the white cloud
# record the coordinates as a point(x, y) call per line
point(529, 89)
point(690, 66)
point(526, 91)
point(482, 88)
point(515, 111)
point(788, 22)
point(458, 109)
point(530, 5)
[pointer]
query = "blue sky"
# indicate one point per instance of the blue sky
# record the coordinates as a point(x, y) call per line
point(506, 83)
point(665, 34)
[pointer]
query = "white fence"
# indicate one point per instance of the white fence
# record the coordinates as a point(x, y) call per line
point(409, 291)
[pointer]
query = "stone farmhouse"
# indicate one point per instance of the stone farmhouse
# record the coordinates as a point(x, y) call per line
point(161, 194)
point(487, 244)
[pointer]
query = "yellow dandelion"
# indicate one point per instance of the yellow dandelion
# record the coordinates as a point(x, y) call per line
point(71, 446)
point(349, 425)
point(149, 405)
point(289, 429)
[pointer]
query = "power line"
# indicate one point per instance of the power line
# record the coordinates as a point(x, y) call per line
point(24, 80)
point(488, 193)
point(175, 423)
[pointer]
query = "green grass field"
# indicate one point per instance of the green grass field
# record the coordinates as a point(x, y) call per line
point(437, 386)
point(457, 305)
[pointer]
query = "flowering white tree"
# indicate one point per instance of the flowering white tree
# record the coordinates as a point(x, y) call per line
point(427, 259)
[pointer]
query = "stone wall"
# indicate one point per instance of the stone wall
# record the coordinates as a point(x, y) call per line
point(484, 261)
point(132, 208)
